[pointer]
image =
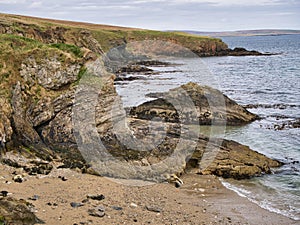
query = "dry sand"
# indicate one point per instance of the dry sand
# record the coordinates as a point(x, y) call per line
point(201, 200)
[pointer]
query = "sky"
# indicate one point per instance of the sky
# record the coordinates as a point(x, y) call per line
point(198, 15)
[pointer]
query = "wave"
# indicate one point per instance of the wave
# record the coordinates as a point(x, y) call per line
point(263, 204)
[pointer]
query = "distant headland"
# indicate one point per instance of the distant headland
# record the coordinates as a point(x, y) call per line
point(261, 32)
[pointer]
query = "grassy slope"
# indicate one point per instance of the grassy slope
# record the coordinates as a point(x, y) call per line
point(23, 36)
point(109, 36)
point(14, 49)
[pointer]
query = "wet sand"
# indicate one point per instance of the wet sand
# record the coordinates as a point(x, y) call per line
point(201, 200)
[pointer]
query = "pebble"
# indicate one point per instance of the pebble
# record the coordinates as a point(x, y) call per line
point(34, 198)
point(117, 208)
point(177, 184)
point(98, 211)
point(153, 209)
point(133, 205)
point(18, 179)
point(85, 200)
point(76, 205)
point(96, 197)
point(4, 193)
point(63, 178)
point(52, 204)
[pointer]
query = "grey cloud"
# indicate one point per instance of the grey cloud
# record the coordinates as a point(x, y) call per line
point(167, 14)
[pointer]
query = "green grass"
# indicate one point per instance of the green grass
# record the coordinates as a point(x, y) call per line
point(14, 43)
point(2, 220)
point(82, 72)
point(76, 51)
point(9, 42)
point(108, 38)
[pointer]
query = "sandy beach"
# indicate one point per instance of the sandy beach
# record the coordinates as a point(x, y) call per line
point(201, 200)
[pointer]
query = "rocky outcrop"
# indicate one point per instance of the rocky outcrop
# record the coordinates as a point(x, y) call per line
point(17, 212)
point(6, 130)
point(224, 158)
point(44, 86)
point(232, 160)
point(50, 73)
point(212, 107)
point(241, 52)
point(49, 124)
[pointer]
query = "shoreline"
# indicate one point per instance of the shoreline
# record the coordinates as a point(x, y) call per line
point(266, 206)
point(201, 200)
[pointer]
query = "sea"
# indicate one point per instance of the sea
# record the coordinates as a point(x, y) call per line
point(270, 87)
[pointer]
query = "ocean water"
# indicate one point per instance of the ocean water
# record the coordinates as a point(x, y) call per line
point(272, 85)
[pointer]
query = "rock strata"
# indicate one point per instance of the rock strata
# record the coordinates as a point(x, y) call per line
point(41, 89)
point(233, 160)
point(212, 107)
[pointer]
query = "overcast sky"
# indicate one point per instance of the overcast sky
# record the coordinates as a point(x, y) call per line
point(201, 15)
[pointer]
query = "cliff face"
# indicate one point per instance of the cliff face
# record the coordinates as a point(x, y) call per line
point(41, 66)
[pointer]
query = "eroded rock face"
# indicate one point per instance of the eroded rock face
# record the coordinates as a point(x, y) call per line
point(50, 72)
point(49, 124)
point(6, 130)
point(212, 107)
point(23, 130)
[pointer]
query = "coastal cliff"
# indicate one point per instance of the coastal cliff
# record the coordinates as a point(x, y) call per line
point(101, 38)
point(42, 63)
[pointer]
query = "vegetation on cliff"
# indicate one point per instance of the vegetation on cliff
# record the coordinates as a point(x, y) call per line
point(41, 63)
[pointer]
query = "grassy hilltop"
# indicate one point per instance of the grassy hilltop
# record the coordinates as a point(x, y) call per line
point(107, 36)
point(22, 37)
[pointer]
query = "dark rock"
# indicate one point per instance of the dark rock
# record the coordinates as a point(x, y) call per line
point(34, 198)
point(11, 163)
point(117, 208)
point(4, 193)
point(96, 197)
point(241, 52)
point(98, 211)
point(177, 184)
point(18, 179)
point(154, 209)
point(284, 125)
point(134, 69)
point(85, 200)
point(125, 78)
point(153, 63)
point(63, 178)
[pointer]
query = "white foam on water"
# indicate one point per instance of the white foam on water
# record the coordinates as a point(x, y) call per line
point(263, 204)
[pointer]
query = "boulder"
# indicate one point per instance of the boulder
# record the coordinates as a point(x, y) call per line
point(231, 160)
point(212, 107)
